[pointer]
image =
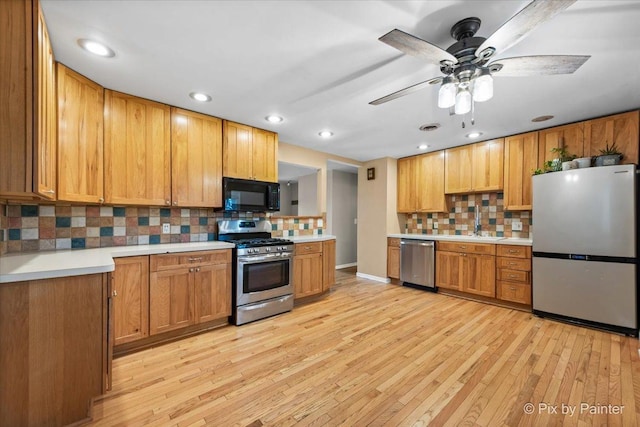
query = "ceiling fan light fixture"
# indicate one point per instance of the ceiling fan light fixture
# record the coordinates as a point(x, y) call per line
point(483, 86)
point(447, 93)
point(463, 101)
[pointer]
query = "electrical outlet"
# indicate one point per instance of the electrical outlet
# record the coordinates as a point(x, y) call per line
point(435, 225)
point(166, 228)
point(516, 226)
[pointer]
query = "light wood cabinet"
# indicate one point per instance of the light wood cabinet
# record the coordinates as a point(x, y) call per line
point(393, 257)
point(130, 299)
point(80, 138)
point(196, 159)
point(466, 267)
point(407, 202)
point(430, 182)
point(619, 129)
point(571, 137)
point(28, 122)
point(249, 153)
point(520, 161)
point(137, 144)
point(328, 264)
point(457, 169)
point(513, 271)
point(487, 165)
point(188, 288)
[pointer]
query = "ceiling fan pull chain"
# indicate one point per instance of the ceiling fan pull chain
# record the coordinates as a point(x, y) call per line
point(473, 112)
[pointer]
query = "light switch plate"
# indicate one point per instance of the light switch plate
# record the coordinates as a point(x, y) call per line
point(166, 228)
point(435, 225)
point(516, 226)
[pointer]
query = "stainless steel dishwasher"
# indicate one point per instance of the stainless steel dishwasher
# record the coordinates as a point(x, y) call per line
point(417, 265)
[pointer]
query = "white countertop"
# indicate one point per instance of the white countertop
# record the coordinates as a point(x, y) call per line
point(50, 264)
point(467, 239)
point(309, 239)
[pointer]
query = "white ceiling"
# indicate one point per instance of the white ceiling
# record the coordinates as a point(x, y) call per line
point(319, 63)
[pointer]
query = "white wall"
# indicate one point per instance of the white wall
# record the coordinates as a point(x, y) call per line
point(287, 194)
point(342, 210)
point(308, 195)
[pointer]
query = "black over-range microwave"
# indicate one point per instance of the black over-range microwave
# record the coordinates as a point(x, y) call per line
point(243, 195)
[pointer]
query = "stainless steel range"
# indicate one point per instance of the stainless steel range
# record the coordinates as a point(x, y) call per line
point(263, 270)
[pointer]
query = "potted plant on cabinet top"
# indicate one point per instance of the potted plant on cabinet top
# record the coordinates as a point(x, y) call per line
point(554, 165)
point(609, 156)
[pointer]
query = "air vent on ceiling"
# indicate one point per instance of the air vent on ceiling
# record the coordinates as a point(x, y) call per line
point(429, 127)
point(541, 119)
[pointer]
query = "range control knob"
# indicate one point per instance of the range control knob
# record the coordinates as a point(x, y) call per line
point(267, 249)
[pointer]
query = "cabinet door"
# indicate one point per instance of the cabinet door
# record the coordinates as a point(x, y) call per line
point(457, 169)
point(520, 160)
point(571, 137)
point(479, 274)
point(130, 291)
point(430, 182)
point(171, 300)
point(137, 143)
point(407, 185)
point(393, 262)
point(212, 292)
point(196, 159)
point(619, 129)
point(448, 270)
point(237, 150)
point(265, 155)
point(307, 275)
point(45, 112)
point(80, 143)
point(328, 264)
point(487, 166)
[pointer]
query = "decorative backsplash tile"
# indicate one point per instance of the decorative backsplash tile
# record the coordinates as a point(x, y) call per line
point(460, 219)
point(3, 230)
point(300, 226)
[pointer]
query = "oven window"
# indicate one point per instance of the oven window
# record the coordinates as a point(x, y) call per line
point(265, 275)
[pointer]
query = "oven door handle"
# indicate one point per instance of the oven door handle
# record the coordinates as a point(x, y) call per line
point(263, 258)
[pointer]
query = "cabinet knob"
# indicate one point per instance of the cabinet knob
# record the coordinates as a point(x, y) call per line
point(101, 199)
point(49, 191)
point(197, 269)
point(115, 293)
point(175, 203)
point(167, 202)
point(191, 270)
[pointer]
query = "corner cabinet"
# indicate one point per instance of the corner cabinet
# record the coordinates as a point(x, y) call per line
point(137, 151)
point(249, 153)
point(520, 160)
point(28, 123)
point(80, 138)
point(196, 159)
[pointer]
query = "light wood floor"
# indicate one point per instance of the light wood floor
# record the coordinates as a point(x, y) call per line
point(376, 354)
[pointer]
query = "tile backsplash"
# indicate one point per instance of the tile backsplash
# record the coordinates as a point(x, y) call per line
point(25, 228)
point(460, 219)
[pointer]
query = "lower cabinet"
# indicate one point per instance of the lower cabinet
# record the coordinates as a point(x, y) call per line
point(314, 267)
point(393, 257)
point(466, 267)
point(171, 299)
point(130, 299)
point(212, 292)
point(514, 274)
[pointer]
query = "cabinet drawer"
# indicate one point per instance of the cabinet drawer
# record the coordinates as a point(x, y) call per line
point(393, 242)
point(521, 264)
point(514, 292)
point(514, 251)
point(513, 275)
point(169, 261)
point(470, 248)
point(308, 248)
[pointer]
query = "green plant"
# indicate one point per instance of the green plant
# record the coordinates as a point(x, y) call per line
point(537, 171)
point(610, 151)
point(563, 154)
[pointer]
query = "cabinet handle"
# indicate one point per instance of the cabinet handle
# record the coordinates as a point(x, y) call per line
point(462, 247)
point(513, 288)
point(49, 191)
point(513, 276)
point(513, 263)
point(306, 248)
point(514, 251)
point(115, 293)
point(195, 259)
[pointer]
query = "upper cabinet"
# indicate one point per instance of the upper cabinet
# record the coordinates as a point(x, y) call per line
point(619, 129)
point(80, 138)
point(407, 202)
point(249, 153)
point(430, 182)
point(137, 144)
point(28, 121)
point(520, 160)
point(475, 167)
point(571, 137)
point(196, 159)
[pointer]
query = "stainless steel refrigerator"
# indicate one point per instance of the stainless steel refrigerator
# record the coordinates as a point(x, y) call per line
point(585, 247)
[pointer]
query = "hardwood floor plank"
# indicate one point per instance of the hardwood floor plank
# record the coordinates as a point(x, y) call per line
point(380, 355)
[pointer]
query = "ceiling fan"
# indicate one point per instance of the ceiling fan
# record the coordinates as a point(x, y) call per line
point(465, 64)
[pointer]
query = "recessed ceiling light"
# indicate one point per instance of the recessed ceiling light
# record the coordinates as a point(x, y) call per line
point(200, 97)
point(423, 147)
point(96, 48)
point(274, 119)
point(474, 135)
point(541, 119)
point(326, 134)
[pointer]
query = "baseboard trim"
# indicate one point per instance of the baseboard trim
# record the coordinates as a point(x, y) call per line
point(351, 264)
point(372, 277)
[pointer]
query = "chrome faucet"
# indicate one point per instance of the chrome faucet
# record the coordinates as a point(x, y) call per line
point(476, 226)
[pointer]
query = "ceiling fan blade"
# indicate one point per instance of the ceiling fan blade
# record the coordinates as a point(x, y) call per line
point(412, 45)
point(524, 66)
point(521, 24)
point(406, 91)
